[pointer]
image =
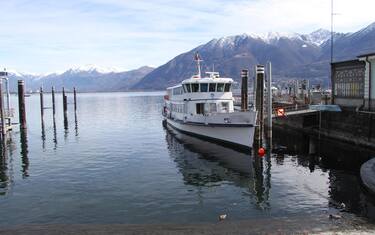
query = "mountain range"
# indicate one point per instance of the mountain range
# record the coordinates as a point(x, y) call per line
point(85, 78)
point(293, 56)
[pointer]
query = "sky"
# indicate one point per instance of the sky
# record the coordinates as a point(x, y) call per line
point(41, 36)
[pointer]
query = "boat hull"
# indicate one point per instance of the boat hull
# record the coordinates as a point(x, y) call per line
point(241, 136)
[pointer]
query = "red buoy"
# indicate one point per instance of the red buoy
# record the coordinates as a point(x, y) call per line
point(261, 152)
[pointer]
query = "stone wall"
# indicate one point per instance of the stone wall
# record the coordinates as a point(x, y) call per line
point(348, 126)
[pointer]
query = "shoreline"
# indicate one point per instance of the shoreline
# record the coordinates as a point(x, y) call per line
point(342, 223)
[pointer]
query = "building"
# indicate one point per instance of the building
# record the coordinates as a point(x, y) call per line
point(369, 84)
point(348, 83)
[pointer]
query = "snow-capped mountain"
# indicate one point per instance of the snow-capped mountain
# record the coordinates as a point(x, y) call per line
point(317, 38)
point(85, 78)
point(300, 56)
point(91, 68)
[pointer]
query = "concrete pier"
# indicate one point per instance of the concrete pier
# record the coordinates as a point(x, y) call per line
point(368, 174)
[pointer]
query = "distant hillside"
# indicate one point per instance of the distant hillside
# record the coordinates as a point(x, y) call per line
point(292, 56)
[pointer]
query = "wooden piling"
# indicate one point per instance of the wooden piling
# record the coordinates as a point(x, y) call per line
point(244, 90)
point(75, 98)
point(53, 101)
point(65, 108)
point(21, 104)
point(65, 103)
point(259, 102)
point(2, 114)
point(41, 102)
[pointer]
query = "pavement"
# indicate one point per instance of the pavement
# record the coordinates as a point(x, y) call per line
point(368, 174)
point(314, 224)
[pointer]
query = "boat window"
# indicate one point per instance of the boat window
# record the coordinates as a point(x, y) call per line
point(204, 87)
point(212, 87)
point(213, 108)
point(177, 91)
point(220, 87)
point(184, 87)
point(227, 87)
point(224, 107)
point(200, 108)
point(187, 86)
point(194, 87)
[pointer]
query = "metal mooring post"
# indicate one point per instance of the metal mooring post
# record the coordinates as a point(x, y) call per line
point(259, 101)
point(21, 104)
point(269, 100)
point(2, 114)
point(244, 90)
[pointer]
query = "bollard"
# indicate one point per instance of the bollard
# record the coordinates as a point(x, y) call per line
point(244, 90)
point(21, 104)
point(53, 101)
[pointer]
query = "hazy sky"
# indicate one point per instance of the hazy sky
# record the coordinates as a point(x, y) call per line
point(45, 36)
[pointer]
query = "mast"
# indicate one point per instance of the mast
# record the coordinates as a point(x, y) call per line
point(198, 60)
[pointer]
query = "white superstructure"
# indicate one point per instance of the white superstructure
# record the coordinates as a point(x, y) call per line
point(204, 106)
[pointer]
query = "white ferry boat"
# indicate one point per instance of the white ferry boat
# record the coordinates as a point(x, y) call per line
point(203, 106)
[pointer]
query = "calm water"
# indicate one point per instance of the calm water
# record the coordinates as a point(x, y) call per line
point(116, 163)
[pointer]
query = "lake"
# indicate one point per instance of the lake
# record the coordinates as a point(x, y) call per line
point(114, 162)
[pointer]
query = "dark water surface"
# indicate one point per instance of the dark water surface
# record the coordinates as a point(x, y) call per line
point(116, 163)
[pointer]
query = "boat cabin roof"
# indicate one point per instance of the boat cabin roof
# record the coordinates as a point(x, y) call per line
point(207, 80)
point(213, 78)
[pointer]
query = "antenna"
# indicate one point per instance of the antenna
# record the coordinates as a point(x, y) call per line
point(332, 14)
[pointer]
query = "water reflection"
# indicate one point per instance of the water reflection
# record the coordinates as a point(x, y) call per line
point(207, 164)
point(66, 125)
point(341, 161)
point(24, 152)
point(54, 133)
point(4, 178)
point(75, 122)
point(43, 135)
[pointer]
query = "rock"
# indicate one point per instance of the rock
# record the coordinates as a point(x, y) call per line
point(368, 174)
point(331, 216)
point(222, 217)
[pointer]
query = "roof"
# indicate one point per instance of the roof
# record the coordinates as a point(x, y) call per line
point(344, 62)
point(207, 80)
point(366, 55)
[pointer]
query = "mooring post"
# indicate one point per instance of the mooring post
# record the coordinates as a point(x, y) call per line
point(21, 104)
point(244, 90)
point(269, 100)
point(3, 128)
point(41, 102)
point(259, 101)
point(75, 98)
point(65, 108)
point(65, 104)
point(53, 101)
